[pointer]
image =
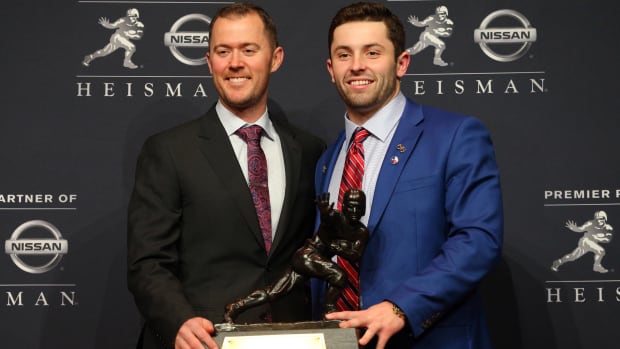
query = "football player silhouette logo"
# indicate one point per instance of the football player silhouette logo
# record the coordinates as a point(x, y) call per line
point(436, 26)
point(128, 28)
point(595, 232)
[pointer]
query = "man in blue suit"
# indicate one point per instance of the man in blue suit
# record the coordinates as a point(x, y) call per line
point(434, 208)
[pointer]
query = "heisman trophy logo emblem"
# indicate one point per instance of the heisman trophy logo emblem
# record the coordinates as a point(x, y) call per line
point(595, 232)
point(437, 26)
point(127, 28)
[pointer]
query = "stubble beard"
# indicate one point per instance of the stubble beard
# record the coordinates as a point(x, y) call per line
point(369, 101)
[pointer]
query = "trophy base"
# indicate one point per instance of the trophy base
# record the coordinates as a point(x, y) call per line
point(298, 335)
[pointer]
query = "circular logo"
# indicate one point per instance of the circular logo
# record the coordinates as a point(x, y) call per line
point(16, 247)
point(524, 35)
point(175, 39)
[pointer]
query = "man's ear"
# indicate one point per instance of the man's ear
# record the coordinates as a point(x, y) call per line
point(330, 69)
point(402, 64)
point(277, 59)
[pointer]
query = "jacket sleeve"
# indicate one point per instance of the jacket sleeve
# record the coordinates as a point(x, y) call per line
point(153, 231)
point(472, 231)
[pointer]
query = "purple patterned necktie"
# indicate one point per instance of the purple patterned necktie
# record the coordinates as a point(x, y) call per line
point(257, 176)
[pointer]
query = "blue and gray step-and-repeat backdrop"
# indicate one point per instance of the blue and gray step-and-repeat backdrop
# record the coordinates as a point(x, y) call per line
point(542, 75)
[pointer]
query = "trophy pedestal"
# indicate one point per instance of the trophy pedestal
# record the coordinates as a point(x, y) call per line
point(298, 335)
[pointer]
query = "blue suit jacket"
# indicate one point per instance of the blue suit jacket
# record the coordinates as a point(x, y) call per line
point(436, 227)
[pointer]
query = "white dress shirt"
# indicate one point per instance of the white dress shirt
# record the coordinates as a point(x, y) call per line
point(381, 126)
point(270, 143)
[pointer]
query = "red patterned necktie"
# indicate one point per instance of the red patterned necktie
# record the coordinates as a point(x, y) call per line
point(352, 176)
point(257, 176)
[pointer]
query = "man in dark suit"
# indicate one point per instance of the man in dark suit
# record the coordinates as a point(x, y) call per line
point(433, 195)
point(195, 240)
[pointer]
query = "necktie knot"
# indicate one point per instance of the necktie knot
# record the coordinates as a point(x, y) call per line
point(360, 135)
point(250, 134)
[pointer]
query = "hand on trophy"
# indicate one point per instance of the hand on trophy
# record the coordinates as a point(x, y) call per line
point(196, 333)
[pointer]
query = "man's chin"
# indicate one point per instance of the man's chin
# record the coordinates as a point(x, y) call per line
point(240, 103)
point(360, 102)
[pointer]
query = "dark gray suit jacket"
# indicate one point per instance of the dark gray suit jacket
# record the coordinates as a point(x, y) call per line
point(194, 242)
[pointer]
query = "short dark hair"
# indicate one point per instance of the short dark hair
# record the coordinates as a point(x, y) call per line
point(370, 12)
point(242, 9)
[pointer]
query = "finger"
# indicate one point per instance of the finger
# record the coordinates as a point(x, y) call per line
point(208, 326)
point(338, 315)
point(199, 343)
point(367, 337)
point(381, 342)
point(189, 341)
point(180, 343)
point(192, 334)
point(209, 342)
point(353, 323)
point(204, 334)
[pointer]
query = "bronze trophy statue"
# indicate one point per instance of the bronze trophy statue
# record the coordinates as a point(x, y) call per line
point(339, 233)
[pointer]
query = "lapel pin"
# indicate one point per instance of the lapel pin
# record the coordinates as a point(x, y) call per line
point(401, 148)
point(394, 160)
point(324, 169)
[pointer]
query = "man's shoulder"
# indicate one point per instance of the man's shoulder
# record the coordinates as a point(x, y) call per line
point(308, 137)
point(444, 117)
point(177, 134)
point(305, 138)
point(334, 145)
point(182, 129)
point(441, 123)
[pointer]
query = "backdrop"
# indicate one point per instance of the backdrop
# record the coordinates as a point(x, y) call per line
point(541, 75)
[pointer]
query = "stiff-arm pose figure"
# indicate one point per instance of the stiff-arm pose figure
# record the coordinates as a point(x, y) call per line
point(339, 233)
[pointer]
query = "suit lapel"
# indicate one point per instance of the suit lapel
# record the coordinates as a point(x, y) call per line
point(215, 146)
point(328, 162)
point(405, 138)
point(325, 168)
point(291, 150)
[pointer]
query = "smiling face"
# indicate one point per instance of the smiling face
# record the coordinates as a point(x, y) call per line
point(241, 59)
point(363, 67)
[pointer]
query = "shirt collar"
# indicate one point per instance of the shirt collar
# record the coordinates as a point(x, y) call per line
point(232, 123)
point(381, 124)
